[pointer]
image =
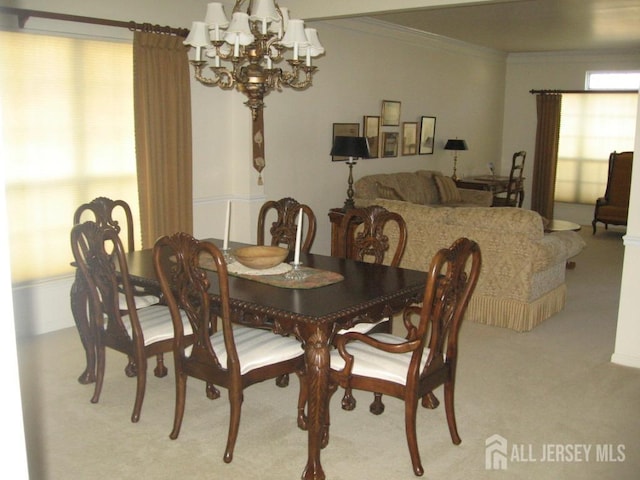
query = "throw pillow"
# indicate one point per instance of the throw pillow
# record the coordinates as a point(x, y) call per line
point(447, 189)
point(389, 193)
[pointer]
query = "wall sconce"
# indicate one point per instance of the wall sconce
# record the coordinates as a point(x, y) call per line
point(455, 145)
point(352, 147)
point(244, 52)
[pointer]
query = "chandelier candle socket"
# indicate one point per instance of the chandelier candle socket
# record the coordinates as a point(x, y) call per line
point(245, 53)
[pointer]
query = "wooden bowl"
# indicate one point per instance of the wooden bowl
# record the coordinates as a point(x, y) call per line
point(260, 257)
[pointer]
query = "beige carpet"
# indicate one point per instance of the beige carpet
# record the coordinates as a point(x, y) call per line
point(549, 390)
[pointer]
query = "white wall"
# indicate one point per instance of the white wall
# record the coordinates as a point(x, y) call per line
point(627, 347)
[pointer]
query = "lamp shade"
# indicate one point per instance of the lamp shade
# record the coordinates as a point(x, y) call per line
point(295, 36)
point(215, 16)
point(239, 30)
point(315, 47)
point(455, 144)
point(198, 35)
point(264, 10)
point(357, 147)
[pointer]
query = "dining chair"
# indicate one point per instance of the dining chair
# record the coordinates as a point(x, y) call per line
point(514, 196)
point(116, 214)
point(284, 227)
point(411, 368)
point(234, 357)
point(363, 235)
point(283, 232)
point(137, 332)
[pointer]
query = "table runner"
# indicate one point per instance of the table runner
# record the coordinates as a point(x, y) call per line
point(275, 276)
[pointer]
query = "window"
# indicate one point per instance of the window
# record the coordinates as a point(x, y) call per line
point(592, 125)
point(67, 136)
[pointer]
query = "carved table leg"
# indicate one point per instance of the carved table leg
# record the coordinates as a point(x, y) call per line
point(317, 377)
point(79, 301)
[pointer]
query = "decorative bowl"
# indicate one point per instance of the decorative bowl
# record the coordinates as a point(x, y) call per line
point(260, 257)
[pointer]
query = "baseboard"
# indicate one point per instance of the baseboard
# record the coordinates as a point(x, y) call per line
point(626, 360)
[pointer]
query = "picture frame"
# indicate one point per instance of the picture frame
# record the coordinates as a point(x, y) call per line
point(390, 113)
point(390, 142)
point(371, 130)
point(427, 135)
point(344, 130)
point(410, 138)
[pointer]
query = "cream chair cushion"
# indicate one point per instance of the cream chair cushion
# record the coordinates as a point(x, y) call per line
point(256, 348)
point(156, 323)
point(373, 362)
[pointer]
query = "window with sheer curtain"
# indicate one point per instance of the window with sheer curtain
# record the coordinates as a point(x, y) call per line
point(592, 125)
point(67, 136)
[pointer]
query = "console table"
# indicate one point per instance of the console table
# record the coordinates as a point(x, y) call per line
point(491, 183)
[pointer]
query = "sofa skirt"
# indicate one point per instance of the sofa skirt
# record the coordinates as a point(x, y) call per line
point(514, 314)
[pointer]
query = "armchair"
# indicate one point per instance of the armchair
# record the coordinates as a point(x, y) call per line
point(613, 208)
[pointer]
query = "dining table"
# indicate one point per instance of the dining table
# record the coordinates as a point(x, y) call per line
point(365, 292)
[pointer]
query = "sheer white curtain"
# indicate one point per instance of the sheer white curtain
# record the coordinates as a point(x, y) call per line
point(66, 137)
point(592, 125)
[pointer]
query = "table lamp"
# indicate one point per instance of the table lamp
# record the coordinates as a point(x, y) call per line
point(352, 147)
point(455, 145)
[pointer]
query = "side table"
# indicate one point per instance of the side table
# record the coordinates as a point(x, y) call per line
point(563, 226)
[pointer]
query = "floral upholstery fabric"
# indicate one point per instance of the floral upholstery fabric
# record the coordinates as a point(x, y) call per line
point(522, 281)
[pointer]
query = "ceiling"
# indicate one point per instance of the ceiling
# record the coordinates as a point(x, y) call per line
point(525, 25)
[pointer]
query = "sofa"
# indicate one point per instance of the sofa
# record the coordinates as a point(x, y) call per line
point(424, 187)
point(522, 280)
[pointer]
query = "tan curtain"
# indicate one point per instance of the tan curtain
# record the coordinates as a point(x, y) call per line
point(546, 155)
point(162, 100)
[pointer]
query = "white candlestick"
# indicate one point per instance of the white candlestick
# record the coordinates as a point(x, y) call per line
point(296, 256)
point(295, 50)
point(236, 47)
point(225, 245)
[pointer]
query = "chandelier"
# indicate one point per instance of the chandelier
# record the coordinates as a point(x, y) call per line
point(244, 54)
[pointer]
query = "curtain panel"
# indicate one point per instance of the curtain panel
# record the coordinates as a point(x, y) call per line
point(546, 155)
point(162, 100)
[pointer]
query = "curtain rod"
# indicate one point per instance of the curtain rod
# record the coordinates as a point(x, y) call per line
point(555, 92)
point(23, 15)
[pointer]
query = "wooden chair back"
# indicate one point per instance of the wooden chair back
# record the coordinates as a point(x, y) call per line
point(113, 213)
point(362, 235)
point(515, 189)
point(284, 228)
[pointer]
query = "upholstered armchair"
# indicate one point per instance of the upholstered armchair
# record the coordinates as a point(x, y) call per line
point(613, 208)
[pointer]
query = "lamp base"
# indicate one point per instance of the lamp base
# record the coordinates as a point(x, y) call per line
point(349, 203)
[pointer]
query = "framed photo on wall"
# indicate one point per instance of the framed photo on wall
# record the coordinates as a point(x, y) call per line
point(344, 130)
point(427, 135)
point(390, 144)
point(390, 113)
point(410, 138)
point(372, 132)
